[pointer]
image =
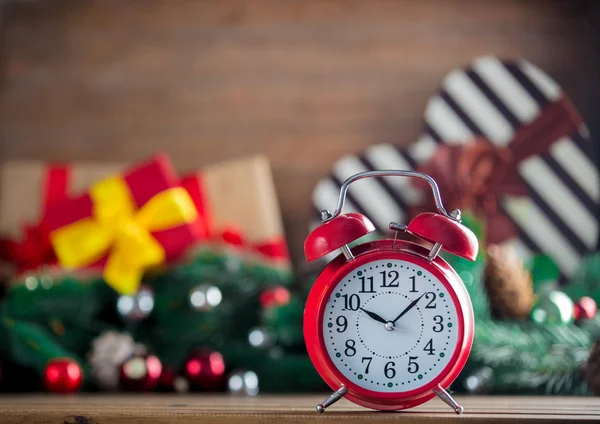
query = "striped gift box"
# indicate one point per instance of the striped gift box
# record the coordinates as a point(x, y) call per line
point(520, 114)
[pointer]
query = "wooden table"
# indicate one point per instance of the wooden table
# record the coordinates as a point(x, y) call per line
point(199, 408)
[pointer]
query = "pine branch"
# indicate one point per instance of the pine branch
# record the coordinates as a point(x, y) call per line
point(564, 382)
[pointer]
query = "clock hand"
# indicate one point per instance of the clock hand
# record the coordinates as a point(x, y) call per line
point(409, 307)
point(374, 316)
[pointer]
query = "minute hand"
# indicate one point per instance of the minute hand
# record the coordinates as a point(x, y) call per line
point(409, 307)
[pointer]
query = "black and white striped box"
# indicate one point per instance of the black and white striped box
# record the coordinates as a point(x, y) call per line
point(491, 99)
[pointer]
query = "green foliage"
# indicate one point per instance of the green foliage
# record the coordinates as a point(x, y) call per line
point(529, 358)
point(552, 382)
point(586, 281)
point(286, 322)
point(277, 370)
point(66, 298)
point(177, 328)
point(29, 344)
point(543, 269)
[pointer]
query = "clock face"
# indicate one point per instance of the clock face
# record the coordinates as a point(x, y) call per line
point(390, 326)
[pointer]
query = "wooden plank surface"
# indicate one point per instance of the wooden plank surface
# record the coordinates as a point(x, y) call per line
point(303, 81)
point(137, 409)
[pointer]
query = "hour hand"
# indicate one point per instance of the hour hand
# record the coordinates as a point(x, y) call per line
point(374, 316)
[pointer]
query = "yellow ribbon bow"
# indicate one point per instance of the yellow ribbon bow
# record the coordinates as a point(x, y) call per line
point(123, 232)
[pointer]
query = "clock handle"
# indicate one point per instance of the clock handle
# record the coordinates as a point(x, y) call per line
point(326, 216)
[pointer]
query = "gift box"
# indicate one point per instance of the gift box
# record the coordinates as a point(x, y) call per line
point(504, 142)
point(237, 203)
point(125, 224)
point(27, 189)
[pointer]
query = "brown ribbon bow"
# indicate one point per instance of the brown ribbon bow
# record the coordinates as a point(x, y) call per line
point(474, 176)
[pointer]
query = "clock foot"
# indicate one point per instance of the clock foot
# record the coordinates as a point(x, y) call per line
point(335, 396)
point(449, 400)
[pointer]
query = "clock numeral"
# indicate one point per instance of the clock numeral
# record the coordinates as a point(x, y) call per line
point(368, 359)
point(351, 303)
point(350, 348)
point(342, 323)
point(413, 280)
point(364, 282)
point(429, 347)
point(389, 370)
point(413, 367)
point(431, 297)
point(392, 275)
point(439, 326)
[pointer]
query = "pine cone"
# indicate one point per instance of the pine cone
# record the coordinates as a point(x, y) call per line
point(591, 370)
point(508, 284)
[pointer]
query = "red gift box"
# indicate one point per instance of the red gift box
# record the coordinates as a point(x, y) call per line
point(76, 223)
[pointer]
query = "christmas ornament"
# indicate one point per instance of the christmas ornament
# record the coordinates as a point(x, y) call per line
point(138, 306)
point(108, 352)
point(141, 372)
point(508, 283)
point(205, 370)
point(591, 370)
point(243, 382)
point(62, 375)
point(479, 381)
point(171, 381)
point(181, 385)
point(166, 381)
point(389, 317)
point(585, 308)
point(205, 297)
point(260, 337)
point(274, 296)
point(554, 308)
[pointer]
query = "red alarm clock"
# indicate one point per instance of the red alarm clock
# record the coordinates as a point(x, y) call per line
point(389, 324)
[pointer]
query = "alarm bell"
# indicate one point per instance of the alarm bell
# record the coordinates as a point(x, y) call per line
point(336, 233)
point(450, 234)
point(443, 229)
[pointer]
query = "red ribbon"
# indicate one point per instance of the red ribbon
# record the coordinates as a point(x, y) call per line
point(275, 248)
point(35, 249)
point(474, 176)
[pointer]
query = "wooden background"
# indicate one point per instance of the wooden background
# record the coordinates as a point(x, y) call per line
point(303, 81)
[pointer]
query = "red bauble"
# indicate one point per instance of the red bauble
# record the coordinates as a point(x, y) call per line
point(585, 308)
point(167, 379)
point(140, 373)
point(205, 370)
point(62, 375)
point(171, 381)
point(274, 296)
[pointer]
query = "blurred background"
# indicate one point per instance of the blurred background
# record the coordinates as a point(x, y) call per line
point(253, 103)
point(303, 82)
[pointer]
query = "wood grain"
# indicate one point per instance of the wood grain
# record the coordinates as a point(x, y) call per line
point(149, 409)
point(302, 81)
